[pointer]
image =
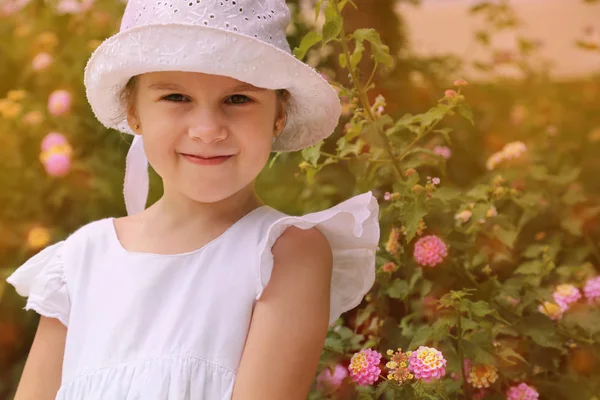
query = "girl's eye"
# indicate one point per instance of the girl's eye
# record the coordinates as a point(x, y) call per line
point(175, 98)
point(238, 99)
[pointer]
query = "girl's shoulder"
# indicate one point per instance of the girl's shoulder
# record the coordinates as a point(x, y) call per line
point(352, 230)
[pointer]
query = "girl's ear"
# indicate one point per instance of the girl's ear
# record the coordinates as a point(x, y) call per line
point(134, 123)
point(281, 118)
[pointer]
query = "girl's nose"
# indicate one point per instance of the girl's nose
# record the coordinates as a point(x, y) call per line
point(207, 127)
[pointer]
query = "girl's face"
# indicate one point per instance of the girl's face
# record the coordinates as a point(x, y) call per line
point(207, 136)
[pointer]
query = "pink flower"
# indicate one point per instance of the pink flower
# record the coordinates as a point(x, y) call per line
point(389, 267)
point(430, 251)
point(41, 61)
point(435, 181)
point(451, 94)
point(443, 151)
point(592, 290)
point(59, 102)
point(53, 139)
point(364, 367)
point(330, 382)
point(566, 294)
point(73, 6)
point(427, 363)
point(460, 82)
point(387, 196)
point(57, 164)
point(522, 392)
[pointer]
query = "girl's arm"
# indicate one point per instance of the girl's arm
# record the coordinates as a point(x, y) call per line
point(42, 373)
point(290, 321)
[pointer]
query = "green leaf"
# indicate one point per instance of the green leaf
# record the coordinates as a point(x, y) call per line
point(380, 52)
point(478, 347)
point(445, 132)
point(480, 308)
point(342, 60)
point(507, 236)
point(357, 54)
point(479, 192)
point(572, 225)
point(399, 289)
point(508, 354)
point(318, 9)
point(334, 344)
point(381, 388)
point(343, 4)
point(423, 335)
point(365, 396)
point(333, 23)
point(534, 250)
point(364, 314)
point(308, 41)
point(465, 112)
point(411, 214)
point(312, 154)
point(530, 268)
point(541, 330)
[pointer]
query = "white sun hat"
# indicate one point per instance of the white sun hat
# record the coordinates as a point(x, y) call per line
point(241, 39)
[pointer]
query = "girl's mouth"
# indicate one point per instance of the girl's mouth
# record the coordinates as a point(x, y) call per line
point(198, 160)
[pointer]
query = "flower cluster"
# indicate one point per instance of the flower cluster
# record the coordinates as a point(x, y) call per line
point(564, 295)
point(427, 363)
point(330, 381)
point(443, 152)
point(393, 242)
point(398, 366)
point(56, 154)
point(522, 392)
point(592, 290)
point(510, 151)
point(364, 367)
point(552, 310)
point(10, 107)
point(59, 102)
point(430, 251)
point(463, 216)
point(480, 376)
point(38, 237)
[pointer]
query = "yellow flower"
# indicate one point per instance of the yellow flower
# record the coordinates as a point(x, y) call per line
point(16, 95)
point(393, 244)
point(38, 237)
point(482, 376)
point(552, 310)
point(9, 109)
point(22, 30)
point(58, 149)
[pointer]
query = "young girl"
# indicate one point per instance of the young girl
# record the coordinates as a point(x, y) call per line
point(207, 294)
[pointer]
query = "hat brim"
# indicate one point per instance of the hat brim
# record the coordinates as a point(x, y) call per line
point(314, 108)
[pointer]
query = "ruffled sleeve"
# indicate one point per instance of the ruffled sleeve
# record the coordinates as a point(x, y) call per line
point(352, 229)
point(41, 279)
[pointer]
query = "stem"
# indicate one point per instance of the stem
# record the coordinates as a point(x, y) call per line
point(461, 355)
point(419, 137)
point(372, 74)
point(363, 96)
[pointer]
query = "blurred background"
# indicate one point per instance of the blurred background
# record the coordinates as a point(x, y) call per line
point(533, 68)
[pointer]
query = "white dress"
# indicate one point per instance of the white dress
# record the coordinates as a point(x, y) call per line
point(154, 327)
